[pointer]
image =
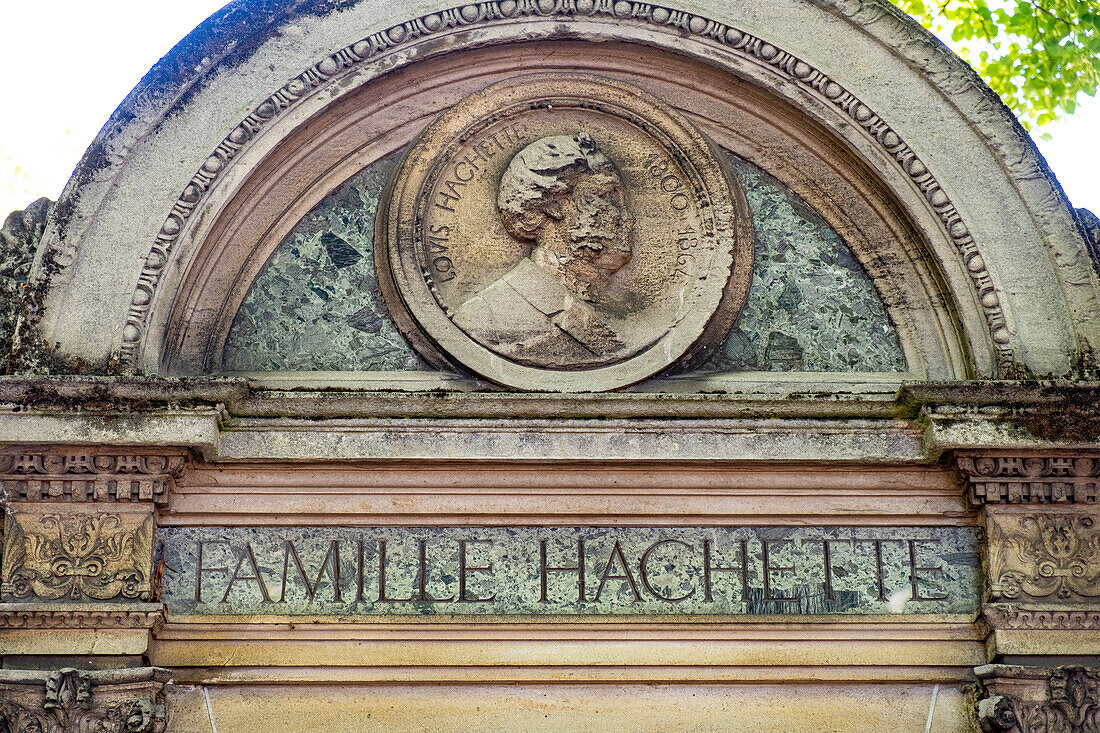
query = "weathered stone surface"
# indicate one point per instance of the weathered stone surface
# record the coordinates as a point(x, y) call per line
point(266, 110)
point(84, 474)
point(38, 615)
point(19, 302)
point(192, 126)
point(809, 707)
point(1090, 227)
point(75, 701)
point(564, 232)
point(1013, 699)
point(19, 239)
point(337, 571)
point(1049, 554)
point(1030, 478)
point(77, 552)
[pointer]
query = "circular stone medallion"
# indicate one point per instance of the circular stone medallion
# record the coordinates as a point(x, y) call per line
point(564, 233)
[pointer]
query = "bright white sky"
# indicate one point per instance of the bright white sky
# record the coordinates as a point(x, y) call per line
point(69, 63)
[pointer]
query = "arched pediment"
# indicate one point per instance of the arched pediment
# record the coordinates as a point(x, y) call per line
point(888, 137)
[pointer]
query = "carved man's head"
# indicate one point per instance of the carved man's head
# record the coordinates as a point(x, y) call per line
point(566, 195)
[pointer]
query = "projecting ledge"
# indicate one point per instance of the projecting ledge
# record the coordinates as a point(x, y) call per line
point(571, 439)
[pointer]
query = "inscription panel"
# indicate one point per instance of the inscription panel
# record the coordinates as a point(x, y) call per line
point(570, 571)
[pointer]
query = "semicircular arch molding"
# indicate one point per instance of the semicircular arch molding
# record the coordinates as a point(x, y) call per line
point(928, 252)
point(320, 154)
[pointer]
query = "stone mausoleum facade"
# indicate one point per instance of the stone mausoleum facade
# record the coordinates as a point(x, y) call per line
point(552, 365)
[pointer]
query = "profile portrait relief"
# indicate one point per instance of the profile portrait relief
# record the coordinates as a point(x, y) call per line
point(565, 197)
point(558, 242)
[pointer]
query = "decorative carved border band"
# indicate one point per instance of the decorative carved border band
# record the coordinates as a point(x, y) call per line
point(1035, 479)
point(1033, 619)
point(751, 47)
point(80, 474)
point(12, 617)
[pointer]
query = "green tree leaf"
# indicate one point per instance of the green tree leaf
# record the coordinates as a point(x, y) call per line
point(1039, 55)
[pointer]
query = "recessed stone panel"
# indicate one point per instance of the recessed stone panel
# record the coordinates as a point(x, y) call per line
point(532, 570)
point(77, 552)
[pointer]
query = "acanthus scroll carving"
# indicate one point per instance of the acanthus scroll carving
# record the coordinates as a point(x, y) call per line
point(72, 701)
point(1050, 556)
point(1038, 700)
point(77, 555)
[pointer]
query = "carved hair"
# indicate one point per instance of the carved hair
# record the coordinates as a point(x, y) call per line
point(542, 175)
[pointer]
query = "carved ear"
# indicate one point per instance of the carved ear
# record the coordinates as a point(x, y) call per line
point(553, 210)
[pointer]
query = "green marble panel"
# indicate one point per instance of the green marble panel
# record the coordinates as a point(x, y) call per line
point(811, 306)
point(532, 570)
point(316, 305)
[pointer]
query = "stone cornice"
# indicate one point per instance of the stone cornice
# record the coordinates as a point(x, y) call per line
point(126, 416)
point(348, 395)
point(113, 394)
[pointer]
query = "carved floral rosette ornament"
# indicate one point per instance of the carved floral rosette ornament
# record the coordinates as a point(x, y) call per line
point(82, 553)
point(1038, 700)
point(69, 700)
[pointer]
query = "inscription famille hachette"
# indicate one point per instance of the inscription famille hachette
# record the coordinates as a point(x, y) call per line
point(591, 571)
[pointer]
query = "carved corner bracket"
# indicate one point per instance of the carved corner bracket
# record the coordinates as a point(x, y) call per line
point(1037, 699)
point(90, 475)
point(114, 701)
point(994, 478)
